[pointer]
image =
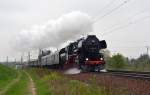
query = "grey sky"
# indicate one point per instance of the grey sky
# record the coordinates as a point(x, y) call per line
point(16, 15)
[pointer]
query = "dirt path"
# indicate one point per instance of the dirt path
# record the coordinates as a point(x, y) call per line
point(10, 85)
point(31, 85)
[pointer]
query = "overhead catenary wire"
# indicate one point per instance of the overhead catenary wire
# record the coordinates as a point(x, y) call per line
point(129, 18)
point(128, 48)
point(130, 41)
point(120, 5)
point(126, 25)
point(106, 6)
point(112, 10)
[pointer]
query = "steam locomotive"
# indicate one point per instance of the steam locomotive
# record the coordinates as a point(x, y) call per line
point(83, 53)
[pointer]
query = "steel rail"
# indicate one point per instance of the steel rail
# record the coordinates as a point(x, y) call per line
point(131, 74)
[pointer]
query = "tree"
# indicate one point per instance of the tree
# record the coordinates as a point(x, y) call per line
point(117, 62)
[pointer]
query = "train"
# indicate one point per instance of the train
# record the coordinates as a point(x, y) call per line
point(83, 53)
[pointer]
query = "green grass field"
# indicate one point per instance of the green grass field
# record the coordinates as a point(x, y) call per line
point(53, 83)
point(13, 82)
point(6, 76)
point(17, 82)
point(20, 87)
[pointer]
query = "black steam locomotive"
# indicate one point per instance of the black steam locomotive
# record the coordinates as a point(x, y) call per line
point(84, 54)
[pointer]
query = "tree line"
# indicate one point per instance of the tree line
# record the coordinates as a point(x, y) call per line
point(120, 62)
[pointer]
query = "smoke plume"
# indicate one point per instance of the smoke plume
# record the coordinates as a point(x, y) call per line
point(55, 32)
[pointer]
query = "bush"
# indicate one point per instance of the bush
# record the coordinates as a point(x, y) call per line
point(116, 62)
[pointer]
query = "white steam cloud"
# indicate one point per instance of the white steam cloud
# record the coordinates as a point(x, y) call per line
point(55, 32)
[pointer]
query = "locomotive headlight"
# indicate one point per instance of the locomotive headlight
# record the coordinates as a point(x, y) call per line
point(86, 59)
point(101, 59)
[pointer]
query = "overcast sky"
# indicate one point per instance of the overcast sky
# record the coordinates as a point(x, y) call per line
point(116, 28)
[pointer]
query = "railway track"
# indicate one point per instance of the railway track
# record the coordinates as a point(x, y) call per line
point(120, 73)
point(131, 74)
point(136, 83)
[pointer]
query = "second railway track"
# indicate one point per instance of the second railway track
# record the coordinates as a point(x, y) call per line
point(131, 74)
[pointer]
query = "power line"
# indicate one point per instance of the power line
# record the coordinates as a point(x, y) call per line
point(114, 41)
point(127, 47)
point(129, 18)
point(114, 9)
point(126, 25)
point(110, 3)
point(123, 26)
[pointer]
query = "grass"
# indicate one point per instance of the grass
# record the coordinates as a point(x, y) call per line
point(48, 83)
point(20, 87)
point(38, 78)
point(6, 76)
point(13, 82)
point(53, 83)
